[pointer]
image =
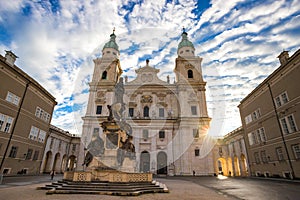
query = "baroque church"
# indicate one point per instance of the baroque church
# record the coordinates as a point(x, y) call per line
point(169, 121)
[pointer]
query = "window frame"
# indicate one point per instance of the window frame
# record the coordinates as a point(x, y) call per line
point(9, 121)
point(281, 99)
point(29, 154)
point(279, 154)
point(197, 152)
point(248, 119)
point(99, 109)
point(288, 124)
point(130, 112)
point(263, 156)
point(194, 110)
point(161, 112)
point(190, 74)
point(104, 75)
point(41, 136)
point(145, 133)
point(256, 157)
point(146, 111)
point(12, 98)
point(296, 151)
point(161, 134)
point(13, 152)
point(36, 155)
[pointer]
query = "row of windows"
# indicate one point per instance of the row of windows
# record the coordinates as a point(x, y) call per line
point(253, 116)
point(161, 134)
point(40, 113)
point(28, 156)
point(12, 98)
point(257, 137)
point(60, 145)
point(279, 153)
point(279, 101)
point(262, 155)
point(187, 50)
point(161, 111)
point(189, 73)
point(5, 123)
point(37, 134)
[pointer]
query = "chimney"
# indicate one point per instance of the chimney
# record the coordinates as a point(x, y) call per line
point(283, 57)
point(10, 58)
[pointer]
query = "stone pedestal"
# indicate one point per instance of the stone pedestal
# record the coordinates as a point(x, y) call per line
point(128, 165)
point(111, 176)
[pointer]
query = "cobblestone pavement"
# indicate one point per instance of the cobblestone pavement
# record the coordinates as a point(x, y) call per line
point(179, 189)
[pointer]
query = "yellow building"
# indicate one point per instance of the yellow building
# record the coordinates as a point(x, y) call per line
point(270, 117)
point(231, 154)
point(61, 151)
point(25, 113)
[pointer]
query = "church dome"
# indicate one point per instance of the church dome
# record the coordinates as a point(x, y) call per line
point(185, 42)
point(112, 43)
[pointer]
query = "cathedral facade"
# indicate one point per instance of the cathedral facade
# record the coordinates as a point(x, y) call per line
point(169, 121)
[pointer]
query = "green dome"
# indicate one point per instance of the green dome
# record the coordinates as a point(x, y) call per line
point(112, 43)
point(185, 42)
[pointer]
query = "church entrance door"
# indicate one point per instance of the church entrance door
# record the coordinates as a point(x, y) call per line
point(145, 162)
point(162, 163)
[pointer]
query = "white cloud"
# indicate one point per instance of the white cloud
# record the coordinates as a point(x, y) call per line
point(238, 44)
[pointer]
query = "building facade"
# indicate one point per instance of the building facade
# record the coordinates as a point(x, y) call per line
point(169, 120)
point(61, 151)
point(25, 112)
point(231, 154)
point(270, 117)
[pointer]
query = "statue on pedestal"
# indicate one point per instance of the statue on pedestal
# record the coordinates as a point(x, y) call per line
point(118, 132)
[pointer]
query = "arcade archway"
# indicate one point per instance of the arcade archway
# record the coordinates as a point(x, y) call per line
point(47, 165)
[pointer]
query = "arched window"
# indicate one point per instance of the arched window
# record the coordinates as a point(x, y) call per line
point(190, 73)
point(146, 111)
point(104, 75)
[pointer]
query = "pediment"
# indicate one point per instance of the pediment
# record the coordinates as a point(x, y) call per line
point(146, 75)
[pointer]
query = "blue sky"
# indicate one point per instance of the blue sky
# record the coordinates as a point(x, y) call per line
point(239, 41)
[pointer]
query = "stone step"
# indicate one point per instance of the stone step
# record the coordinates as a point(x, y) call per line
point(122, 189)
point(108, 188)
point(116, 193)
